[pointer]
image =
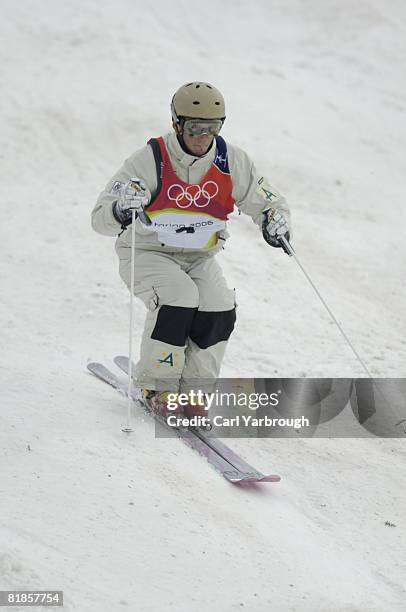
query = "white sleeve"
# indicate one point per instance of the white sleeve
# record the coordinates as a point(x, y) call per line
point(140, 164)
point(252, 191)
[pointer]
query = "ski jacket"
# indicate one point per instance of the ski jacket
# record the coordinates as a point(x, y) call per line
point(189, 215)
point(224, 166)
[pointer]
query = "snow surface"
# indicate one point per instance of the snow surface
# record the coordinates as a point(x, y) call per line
point(316, 95)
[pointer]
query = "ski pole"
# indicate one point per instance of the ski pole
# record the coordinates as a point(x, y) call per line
point(290, 251)
point(128, 429)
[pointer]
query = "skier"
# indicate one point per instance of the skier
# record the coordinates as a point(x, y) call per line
point(187, 182)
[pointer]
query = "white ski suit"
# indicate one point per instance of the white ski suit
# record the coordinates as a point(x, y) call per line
point(190, 309)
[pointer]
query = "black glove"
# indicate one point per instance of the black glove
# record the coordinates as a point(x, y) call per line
point(275, 225)
point(134, 195)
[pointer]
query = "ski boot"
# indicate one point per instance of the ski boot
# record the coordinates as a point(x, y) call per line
point(157, 403)
point(200, 410)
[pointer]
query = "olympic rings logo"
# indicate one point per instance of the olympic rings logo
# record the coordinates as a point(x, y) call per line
point(185, 197)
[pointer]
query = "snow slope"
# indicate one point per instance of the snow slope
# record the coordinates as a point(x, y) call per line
point(316, 95)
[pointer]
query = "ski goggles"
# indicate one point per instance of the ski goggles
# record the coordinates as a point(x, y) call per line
point(197, 127)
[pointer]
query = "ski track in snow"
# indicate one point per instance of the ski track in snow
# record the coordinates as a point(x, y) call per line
point(315, 95)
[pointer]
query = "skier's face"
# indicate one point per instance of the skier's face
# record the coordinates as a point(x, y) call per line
point(198, 145)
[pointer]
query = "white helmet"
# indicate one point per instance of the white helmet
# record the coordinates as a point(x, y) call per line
point(198, 100)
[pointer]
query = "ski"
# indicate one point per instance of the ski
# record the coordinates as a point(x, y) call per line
point(215, 444)
point(187, 436)
point(228, 471)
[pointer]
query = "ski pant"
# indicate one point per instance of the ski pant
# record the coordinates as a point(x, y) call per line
point(190, 317)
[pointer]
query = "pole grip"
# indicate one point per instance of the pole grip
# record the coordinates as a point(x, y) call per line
point(136, 185)
point(144, 218)
point(287, 247)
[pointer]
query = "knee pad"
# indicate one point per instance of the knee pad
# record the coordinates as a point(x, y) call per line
point(173, 324)
point(209, 328)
